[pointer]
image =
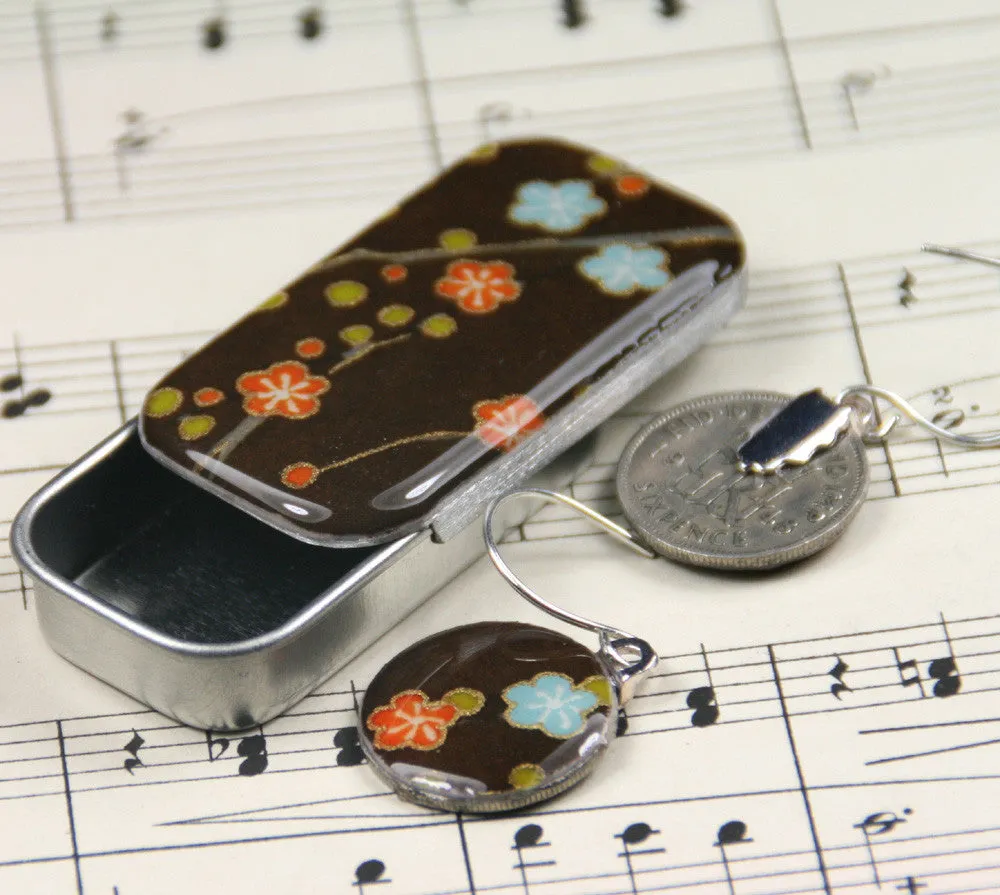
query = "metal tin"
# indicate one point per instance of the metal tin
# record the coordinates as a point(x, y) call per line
point(222, 622)
point(207, 606)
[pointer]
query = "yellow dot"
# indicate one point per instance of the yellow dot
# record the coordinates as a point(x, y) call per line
point(457, 238)
point(468, 702)
point(192, 427)
point(163, 402)
point(600, 686)
point(525, 776)
point(357, 334)
point(485, 153)
point(346, 293)
point(603, 164)
point(275, 301)
point(395, 315)
point(438, 326)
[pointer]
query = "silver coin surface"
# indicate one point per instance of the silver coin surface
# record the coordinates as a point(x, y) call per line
point(681, 489)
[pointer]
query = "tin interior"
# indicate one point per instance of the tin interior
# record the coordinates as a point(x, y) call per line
point(176, 558)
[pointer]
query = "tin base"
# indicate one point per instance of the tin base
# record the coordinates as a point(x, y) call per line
point(200, 611)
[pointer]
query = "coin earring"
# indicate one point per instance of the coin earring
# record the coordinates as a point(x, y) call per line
point(755, 480)
point(496, 716)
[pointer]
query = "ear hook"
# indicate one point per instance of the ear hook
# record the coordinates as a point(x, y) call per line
point(631, 656)
point(866, 405)
point(869, 392)
point(964, 254)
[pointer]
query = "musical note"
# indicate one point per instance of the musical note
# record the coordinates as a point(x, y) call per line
point(944, 671)
point(527, 837)
point(348, 744)
point(703, 700)
point(573, 16)
point(837, 673)
point(706, 712)
point(132, 747)
point(252, 748)
point(311, 23)
point(859, 83)
point(135, 138)
point(213, 31)
point(636, 834)
point(212, 741)
point(909, 665)
point(491, 114)
point(911, 885)
point(879, 824)
point(14, 407)
point(945, 674)
point(254, 751)
point(622, 728)
point(670, 9)
point(109, 26)
point(905, 285)
point(733, 832)
point(950, 418)
point(369, 873)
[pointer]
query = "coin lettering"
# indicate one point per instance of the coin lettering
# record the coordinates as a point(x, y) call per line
point(681, 488)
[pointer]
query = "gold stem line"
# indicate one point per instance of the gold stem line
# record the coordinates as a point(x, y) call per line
point(410, 439)
point(675, 238)
point(364, 351)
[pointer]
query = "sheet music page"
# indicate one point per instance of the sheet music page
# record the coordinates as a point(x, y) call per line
point(834, 727)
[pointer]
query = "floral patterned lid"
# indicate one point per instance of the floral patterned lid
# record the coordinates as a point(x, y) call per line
point(344, 407)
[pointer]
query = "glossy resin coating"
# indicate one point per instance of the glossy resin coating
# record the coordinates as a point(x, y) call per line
point(488, 717)
point(348, 404)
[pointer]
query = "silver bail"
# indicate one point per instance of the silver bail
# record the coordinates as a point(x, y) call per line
point(795, 434)
point(630, 660)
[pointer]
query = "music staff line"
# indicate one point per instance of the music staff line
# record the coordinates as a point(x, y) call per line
point(137, 359)
point(846, 856)
point(80, 752)
point(81, 33)
point(848, 863)
point(714, 127)
point(413, 822)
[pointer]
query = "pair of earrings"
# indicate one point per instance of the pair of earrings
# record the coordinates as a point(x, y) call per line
point(500, 715)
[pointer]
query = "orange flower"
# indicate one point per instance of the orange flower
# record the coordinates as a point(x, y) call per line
point(477, 287)
point(310, 347)
point(410, 720)
point(507, 422)
point(393, 273)
point(631, 186)
point(299, 475)
point(206, 397)
point(283, 389)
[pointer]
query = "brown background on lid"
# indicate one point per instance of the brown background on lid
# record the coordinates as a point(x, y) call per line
point(422, 384)
point(488, 657)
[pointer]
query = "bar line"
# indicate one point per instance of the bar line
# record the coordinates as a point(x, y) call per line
point(786, 54)
point(863, 355)
point(422, 82)
point(803, 789)
point(69, 806)
point(55, 111)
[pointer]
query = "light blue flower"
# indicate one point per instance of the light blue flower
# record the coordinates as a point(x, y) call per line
point(549, 702)
point(556, 207)
point(621, 269)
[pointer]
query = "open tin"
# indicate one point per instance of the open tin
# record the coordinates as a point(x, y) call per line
point(304, 481)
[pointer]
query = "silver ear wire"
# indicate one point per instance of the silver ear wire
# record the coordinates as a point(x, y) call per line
point(630, 656)
point(964, 254)
point(862, 397)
